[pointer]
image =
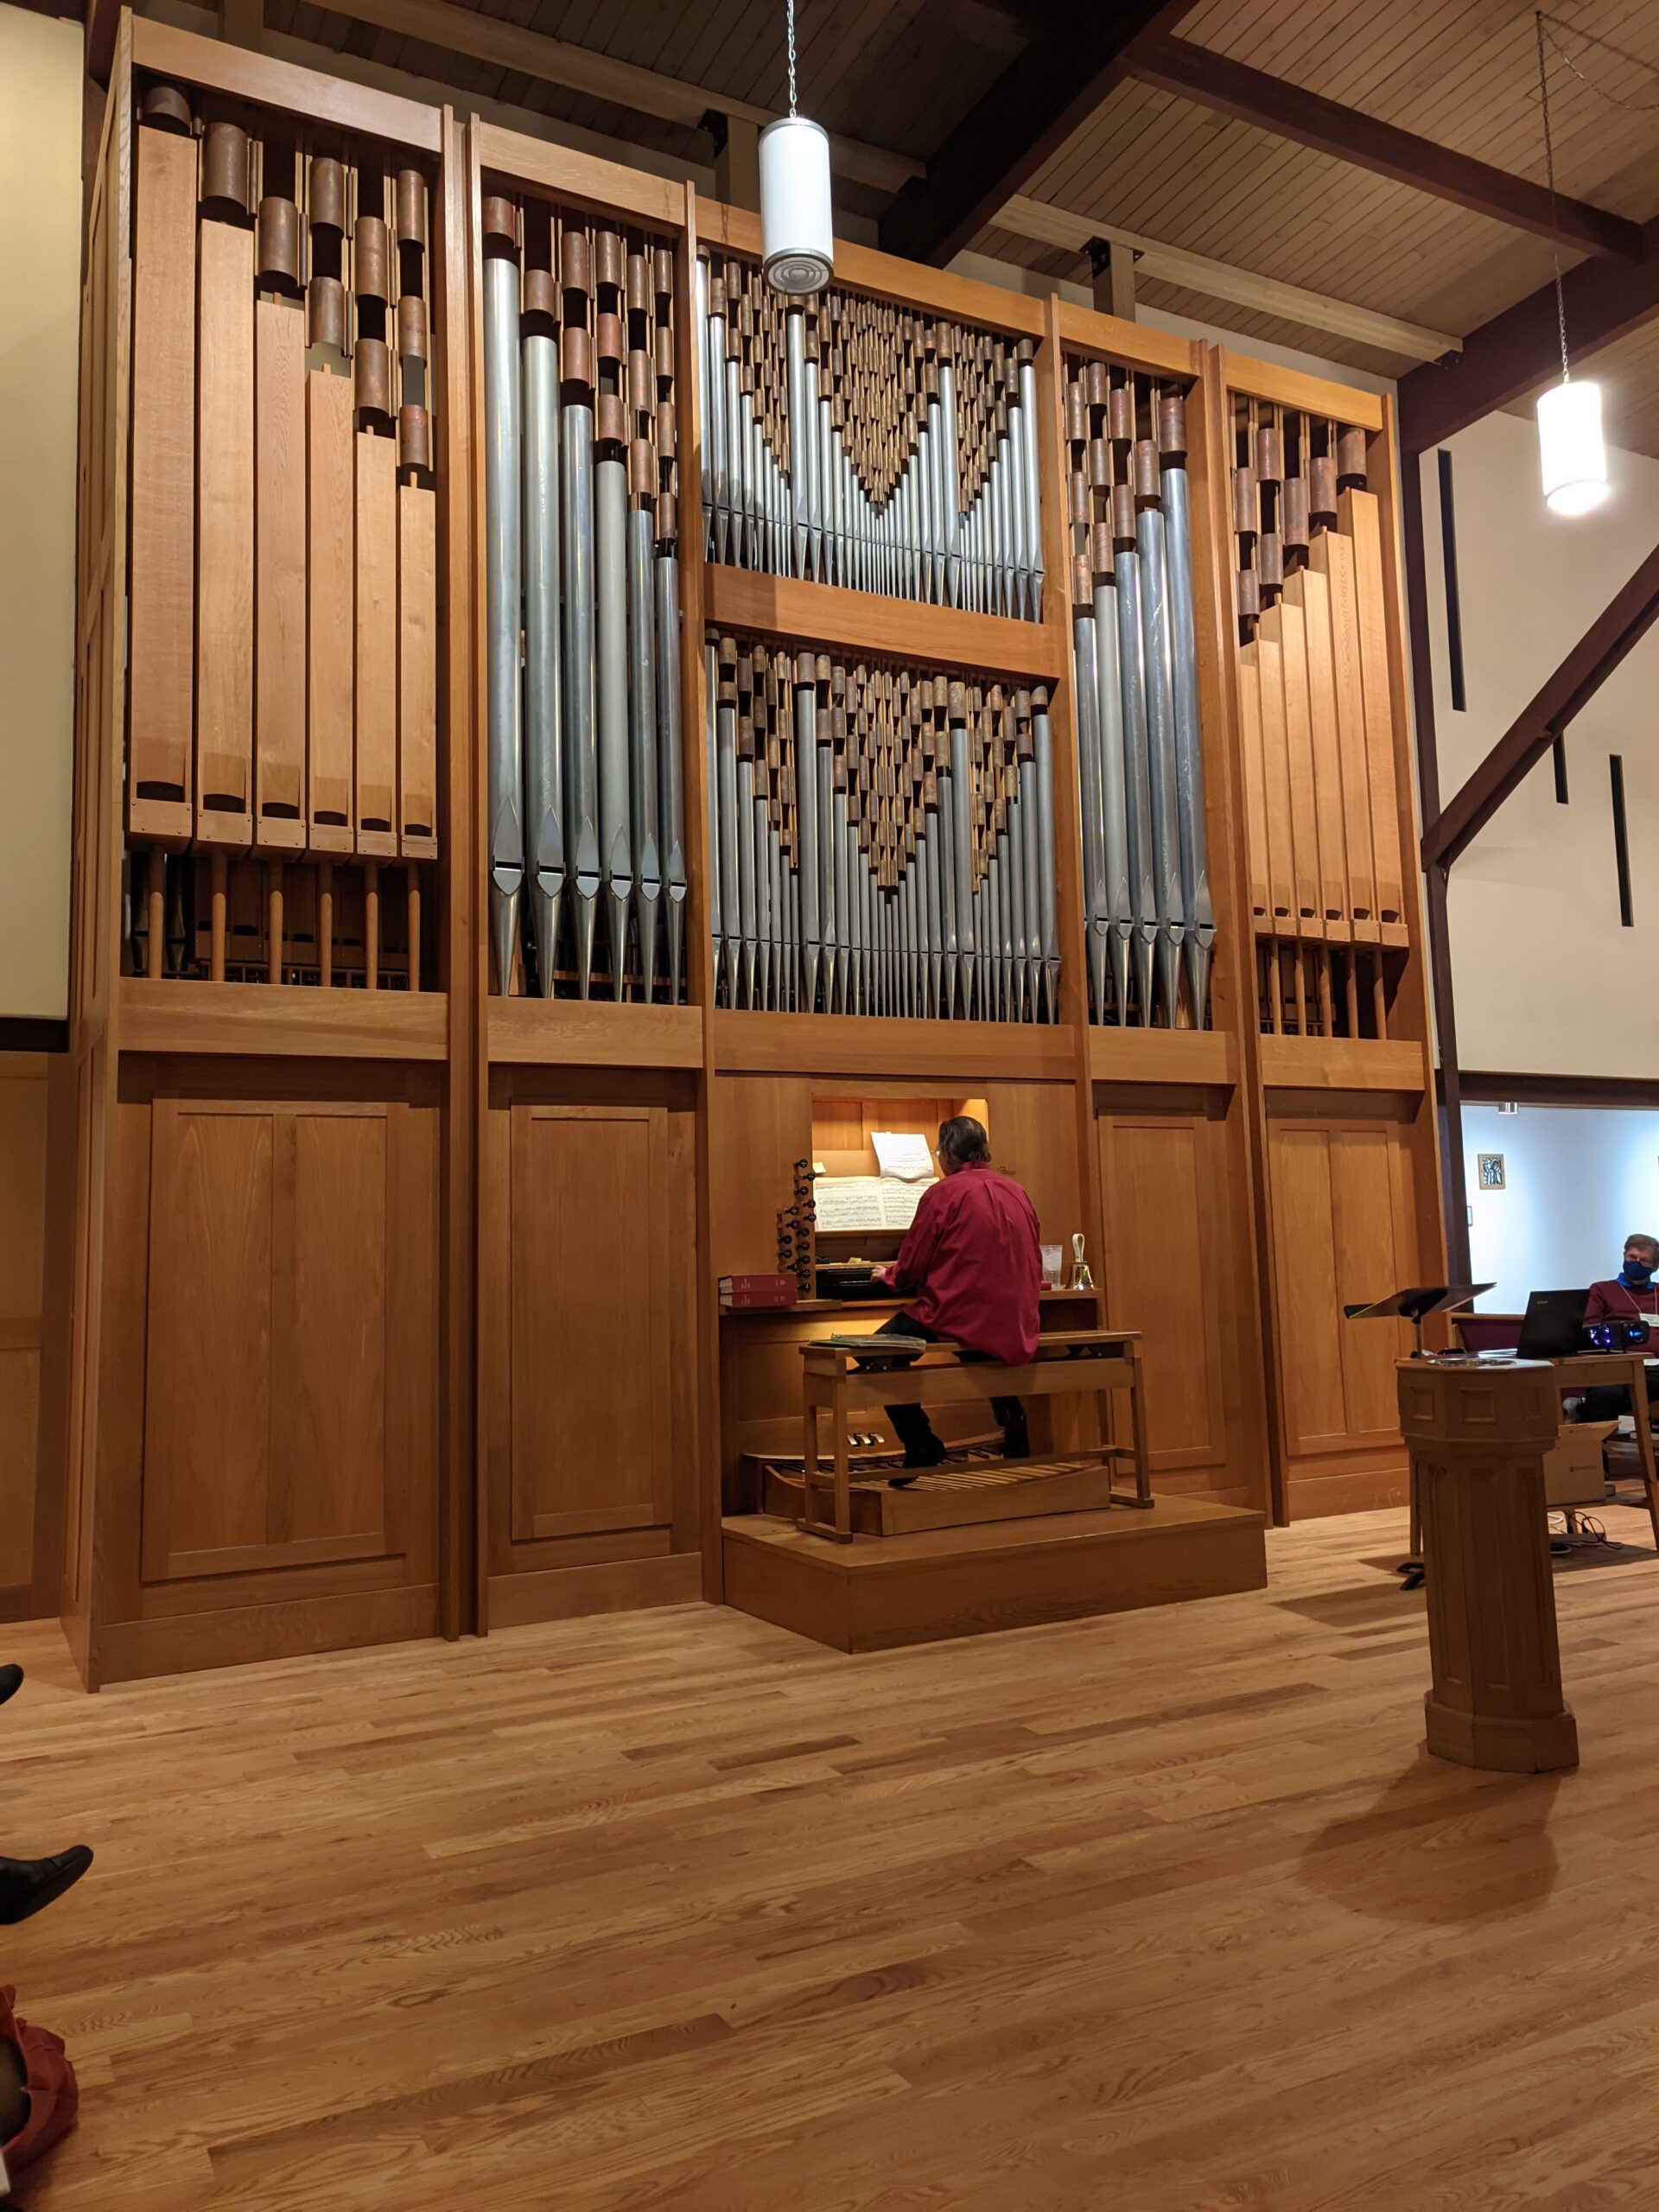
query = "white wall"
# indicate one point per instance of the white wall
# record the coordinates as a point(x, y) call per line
point(1577, 1181)
point(1546, 980)
point(40, 275)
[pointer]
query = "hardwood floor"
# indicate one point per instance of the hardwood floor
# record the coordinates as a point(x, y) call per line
point(1165, 1911)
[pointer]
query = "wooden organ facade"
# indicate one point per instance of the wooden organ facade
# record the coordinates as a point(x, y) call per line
point(591, 737)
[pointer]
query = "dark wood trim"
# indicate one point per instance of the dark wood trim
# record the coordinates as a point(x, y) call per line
point(1454, 1193)
point(1519, 349)
point(1621, 625)
point(1010, 131)
point(19, 1033)
point(1489, 1087)
point(1230, 88)
point(103, 20)
point(1449, 579)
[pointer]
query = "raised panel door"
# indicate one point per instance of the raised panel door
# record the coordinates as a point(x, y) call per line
point(591, 1275)
point(1167, 1259)
point(208, 1366)
point(1304, 1264)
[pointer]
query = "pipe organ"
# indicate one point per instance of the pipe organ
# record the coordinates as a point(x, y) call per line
point(282, 751)
point(850, 441)
point(1327, 894)
point(396, 679)
point(587, 818)
point(1148, 913)
point(880, 838)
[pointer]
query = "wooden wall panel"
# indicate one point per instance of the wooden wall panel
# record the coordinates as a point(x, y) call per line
point(758, 1126)
point(161, 794)
point(291, 1349)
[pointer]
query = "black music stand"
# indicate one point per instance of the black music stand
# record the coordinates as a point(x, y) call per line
point(1415, 1305)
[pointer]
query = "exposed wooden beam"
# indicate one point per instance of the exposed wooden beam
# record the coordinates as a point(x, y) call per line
point(1218, 280)
point(1518, 349)
point(103, 20)
point(1032, 109)
point(242, 23)
point(1621, 625)
point(556, 62)
point(1230, 88)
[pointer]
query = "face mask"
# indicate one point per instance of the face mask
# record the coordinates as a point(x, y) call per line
point(1634, 1273)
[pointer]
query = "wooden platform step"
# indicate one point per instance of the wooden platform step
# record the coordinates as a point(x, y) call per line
point(958, 1494)
point(880, 1591)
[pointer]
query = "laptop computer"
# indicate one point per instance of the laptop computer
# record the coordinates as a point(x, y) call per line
point(1553, 1328)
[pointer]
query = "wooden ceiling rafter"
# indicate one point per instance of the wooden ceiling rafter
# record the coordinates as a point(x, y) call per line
point(1517, 350)
point(1010, 131)
point(576, 68)
point(1159, 263)
point(1216, 81)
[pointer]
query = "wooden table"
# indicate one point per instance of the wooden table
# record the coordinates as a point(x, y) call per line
point(1091, 1362)
point(1595, 1370)
point(1477, 1437)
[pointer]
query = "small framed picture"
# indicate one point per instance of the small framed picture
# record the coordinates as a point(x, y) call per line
point(1491, 1171)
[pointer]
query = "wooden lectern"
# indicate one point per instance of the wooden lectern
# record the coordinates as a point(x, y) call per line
point(1477, 1437)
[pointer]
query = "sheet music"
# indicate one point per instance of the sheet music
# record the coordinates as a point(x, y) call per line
point(854, 1202)
point(902, 1155)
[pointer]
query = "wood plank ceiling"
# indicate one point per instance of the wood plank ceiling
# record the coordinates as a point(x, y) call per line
point(900, 74)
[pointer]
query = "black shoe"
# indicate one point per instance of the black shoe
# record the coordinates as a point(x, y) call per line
point(11, 1680)
point(1016, 1440)
point(27, 1885)
point(918, 1457)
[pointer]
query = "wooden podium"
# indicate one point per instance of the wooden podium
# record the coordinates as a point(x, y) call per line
point(1477, 1437)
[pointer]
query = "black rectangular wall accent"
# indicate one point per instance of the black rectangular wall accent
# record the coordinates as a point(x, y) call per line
point(1621, 841)
point(1558, 754)
point(1449, 567)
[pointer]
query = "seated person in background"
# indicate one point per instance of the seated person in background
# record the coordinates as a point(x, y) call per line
point(1630, 1295)
point(972, 1265)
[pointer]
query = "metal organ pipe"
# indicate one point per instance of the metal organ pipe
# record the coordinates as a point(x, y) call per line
point(587, 791)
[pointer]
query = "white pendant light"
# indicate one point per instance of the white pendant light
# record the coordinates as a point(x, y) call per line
point(797, 242)
point(1570, 449)
point(1572, 456)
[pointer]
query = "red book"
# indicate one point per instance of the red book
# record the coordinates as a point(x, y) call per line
point(743, 1293)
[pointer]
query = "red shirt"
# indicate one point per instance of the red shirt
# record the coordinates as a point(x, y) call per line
point(1614, 1300)
point(973, 1254)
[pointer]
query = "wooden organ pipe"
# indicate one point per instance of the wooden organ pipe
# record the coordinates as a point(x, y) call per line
point(1316, 722)
point(282, 689)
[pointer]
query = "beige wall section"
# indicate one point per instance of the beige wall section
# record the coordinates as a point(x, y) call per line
point(1547, 981)
point(40, 273)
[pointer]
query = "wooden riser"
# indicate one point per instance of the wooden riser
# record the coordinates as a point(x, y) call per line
point(960, 1498)
point(878, 1592)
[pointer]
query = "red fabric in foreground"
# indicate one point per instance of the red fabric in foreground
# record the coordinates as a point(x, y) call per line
point(974, 1257)
point(54, 2094)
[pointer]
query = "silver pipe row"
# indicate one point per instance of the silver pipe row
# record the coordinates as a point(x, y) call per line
point(586, 792)
point(1149, 920)
point(803, 917)
point(816, 520)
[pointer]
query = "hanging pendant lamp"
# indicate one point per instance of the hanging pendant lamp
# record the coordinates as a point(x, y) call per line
point(1572, 456)
point(798, 244)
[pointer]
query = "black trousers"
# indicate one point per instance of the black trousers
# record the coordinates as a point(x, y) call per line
point(910, 1423)
point(1607, 1403)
